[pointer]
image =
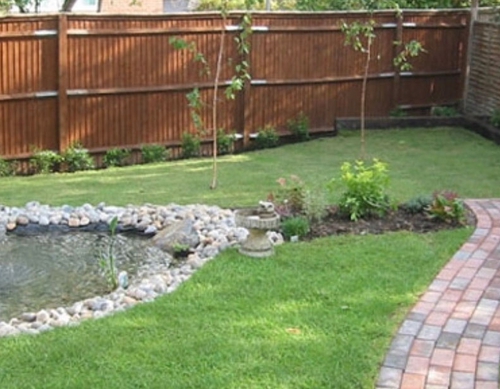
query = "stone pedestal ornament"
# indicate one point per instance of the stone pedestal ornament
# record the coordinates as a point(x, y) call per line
point(258, 221)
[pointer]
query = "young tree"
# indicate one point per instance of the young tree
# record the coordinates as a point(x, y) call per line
point(240, 77)
point(360, 37)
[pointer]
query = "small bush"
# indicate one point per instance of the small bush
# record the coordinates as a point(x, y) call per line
point(191, 145)
point(447, 207)
point(417, 204)
point(315, 204)
point(77, 158)
point(365, 189)
point(267, 137)
point(444, 111)
point(289, 199)
point(398, 112)
point(295, 226)
point(45, 161)
point(116, 157)
point(153, 153)
point(299, 127)
point(225, 142)
point(495, 118)
point(7, 168)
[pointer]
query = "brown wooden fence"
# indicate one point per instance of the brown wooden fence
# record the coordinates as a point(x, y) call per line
point(483, 95)
point(109, 81)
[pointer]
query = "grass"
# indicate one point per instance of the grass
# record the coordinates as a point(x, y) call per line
point(420, 161)
point(317, 315)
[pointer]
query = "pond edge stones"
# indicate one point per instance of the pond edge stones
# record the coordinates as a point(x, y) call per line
point(211, 230)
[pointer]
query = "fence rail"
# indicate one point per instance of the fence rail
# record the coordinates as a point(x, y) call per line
point(115, 81)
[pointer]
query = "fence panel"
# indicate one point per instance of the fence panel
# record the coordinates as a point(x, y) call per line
point(113, 80)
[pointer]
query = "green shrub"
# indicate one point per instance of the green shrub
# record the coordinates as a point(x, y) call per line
point(77, 158)
point(365, 189)
point(398, 112)
point(225, 142)
point(7, 168)
point(295, 226)
point(299, 127)
point(191, 145)
point(495, 118)
point(315, 204)
point(418, 204)
point(445, 111)
point(267, 137)
point(447, 207)
point(116, 157)
point(153, 153)
point(288, 200)
point(45, 161)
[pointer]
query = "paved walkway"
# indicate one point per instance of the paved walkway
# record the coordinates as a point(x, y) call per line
point(451, 337)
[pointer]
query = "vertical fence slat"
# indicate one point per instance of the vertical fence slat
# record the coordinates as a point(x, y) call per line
point(63, 82)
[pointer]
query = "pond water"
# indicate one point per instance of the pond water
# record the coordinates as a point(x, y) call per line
point(57, 269)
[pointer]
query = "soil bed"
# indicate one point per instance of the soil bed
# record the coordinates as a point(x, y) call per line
point(396, 220)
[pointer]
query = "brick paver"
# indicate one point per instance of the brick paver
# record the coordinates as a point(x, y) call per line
point(451, 337)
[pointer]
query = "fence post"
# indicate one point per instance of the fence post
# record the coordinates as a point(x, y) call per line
point(468, 54)
point(396, 86)
point(62, 81)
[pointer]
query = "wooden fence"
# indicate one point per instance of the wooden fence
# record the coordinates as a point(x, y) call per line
point(109, 80)
point(483, 95)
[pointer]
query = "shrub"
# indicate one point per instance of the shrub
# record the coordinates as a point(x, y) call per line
point(295, 226)
point(299, 127)
point(444, 111)
point(267, 137)
point(116, 157)
point(314, 204)
point(447, 207)
point(398, 112)
point(45, 161)
point(7, 168)
point(365, 189)
point(191, 145)
point(289, 198)
point(153, 153)
point(77, 158)
point(495, 118)
point(417, 204)
point(225, 142)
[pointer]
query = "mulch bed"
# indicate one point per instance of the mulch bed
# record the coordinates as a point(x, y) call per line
point(396, 220)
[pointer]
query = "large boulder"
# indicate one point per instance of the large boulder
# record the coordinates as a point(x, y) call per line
point(180, 233)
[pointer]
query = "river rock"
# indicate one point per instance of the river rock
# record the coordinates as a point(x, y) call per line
point(8, 330)
point(42, 316)
point(180, 233)
point(28, 317)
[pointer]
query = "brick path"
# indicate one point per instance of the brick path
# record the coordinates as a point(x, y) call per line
point(451, 337)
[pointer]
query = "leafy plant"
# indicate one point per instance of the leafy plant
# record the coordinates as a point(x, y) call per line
point(7, 168)
point(299, 127)
point(107, 261)
point(445, 111)
point(365, 189)
point(191, 145)
point(398, 112)
point(295, 226)
point(409, 50)
point(495, 118)
point(45, 161)
point(154, 153)
point(289, 199)
point(418, 204)
point(181, 250)
point(116, 157)
point(447, 207)
point(315, 204)
point(267, 137)
point(225, 142)
point(77, 158)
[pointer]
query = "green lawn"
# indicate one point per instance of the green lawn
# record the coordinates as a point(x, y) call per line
point(317, 315)
point(420, 161)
